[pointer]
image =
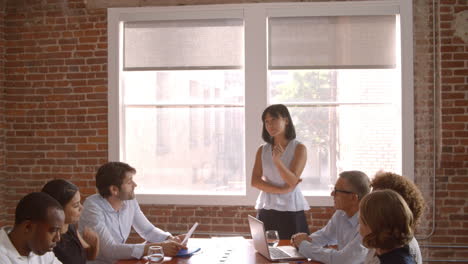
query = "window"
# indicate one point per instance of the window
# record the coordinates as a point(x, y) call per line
point(189, 85)
point(339, 77)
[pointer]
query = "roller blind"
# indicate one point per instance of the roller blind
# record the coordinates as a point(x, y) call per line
point(332, 42)
point(183, 44)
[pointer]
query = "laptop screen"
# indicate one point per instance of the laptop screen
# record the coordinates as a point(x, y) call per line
point(257, 230)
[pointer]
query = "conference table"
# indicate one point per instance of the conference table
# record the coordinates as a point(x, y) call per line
point(221, 250)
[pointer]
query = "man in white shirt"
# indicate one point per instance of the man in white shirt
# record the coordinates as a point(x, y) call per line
point(38, 221)
point(343, 228)
point(114, 211)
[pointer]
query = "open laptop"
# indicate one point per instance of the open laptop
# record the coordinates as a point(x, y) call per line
point(257, 230)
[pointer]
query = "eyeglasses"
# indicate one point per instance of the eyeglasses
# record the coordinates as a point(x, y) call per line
point(335, 190)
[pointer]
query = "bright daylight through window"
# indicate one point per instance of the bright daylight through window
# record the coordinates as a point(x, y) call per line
point(181, 114)
point(339, 77)
point(184, 127)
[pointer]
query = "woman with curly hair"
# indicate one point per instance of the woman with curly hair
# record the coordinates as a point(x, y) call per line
point(413, 198)
point(386, 225)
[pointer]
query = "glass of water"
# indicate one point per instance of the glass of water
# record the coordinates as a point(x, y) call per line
point(155, 254)
point(272, 238)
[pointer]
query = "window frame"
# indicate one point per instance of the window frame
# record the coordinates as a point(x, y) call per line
point(256, 72)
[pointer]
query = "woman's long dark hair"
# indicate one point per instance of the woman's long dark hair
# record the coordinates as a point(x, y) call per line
point(276, 111)
point(62, 190)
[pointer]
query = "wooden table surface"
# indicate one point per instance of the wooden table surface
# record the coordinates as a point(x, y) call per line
point(223, 250)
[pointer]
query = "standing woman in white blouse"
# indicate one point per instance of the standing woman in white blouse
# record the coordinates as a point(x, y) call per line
point(277, 173)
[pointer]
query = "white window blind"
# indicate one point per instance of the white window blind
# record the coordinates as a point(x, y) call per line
point(332, 42)
point(183, 44)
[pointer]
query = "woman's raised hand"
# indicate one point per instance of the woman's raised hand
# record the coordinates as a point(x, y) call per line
point(277, 152)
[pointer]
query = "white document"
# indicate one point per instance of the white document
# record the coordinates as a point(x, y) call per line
point(189, 233)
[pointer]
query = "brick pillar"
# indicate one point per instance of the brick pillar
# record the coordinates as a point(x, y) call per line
point(2, 113)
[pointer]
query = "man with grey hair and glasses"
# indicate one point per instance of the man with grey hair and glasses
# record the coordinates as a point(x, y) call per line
point(342, 229)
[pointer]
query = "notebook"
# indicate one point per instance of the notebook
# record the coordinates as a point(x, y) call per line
point(257, 230)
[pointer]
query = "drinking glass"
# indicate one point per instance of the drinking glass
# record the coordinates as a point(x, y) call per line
point(155, 255)
point(272, 238)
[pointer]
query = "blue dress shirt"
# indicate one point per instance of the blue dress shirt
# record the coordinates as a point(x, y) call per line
point(113, 228)
point(342, 231)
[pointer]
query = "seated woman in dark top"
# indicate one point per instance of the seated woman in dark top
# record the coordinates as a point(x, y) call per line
point(72, 248)
point(385, 224)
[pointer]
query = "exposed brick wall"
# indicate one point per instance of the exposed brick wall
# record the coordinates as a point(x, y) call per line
point(424, 108)
point(452, 166)
point(56, 94)
point(55, 120)
point(217, 219)
point(2, 115)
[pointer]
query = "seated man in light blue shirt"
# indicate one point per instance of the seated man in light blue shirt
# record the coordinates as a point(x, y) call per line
point(114, 211)
point(343, 228)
